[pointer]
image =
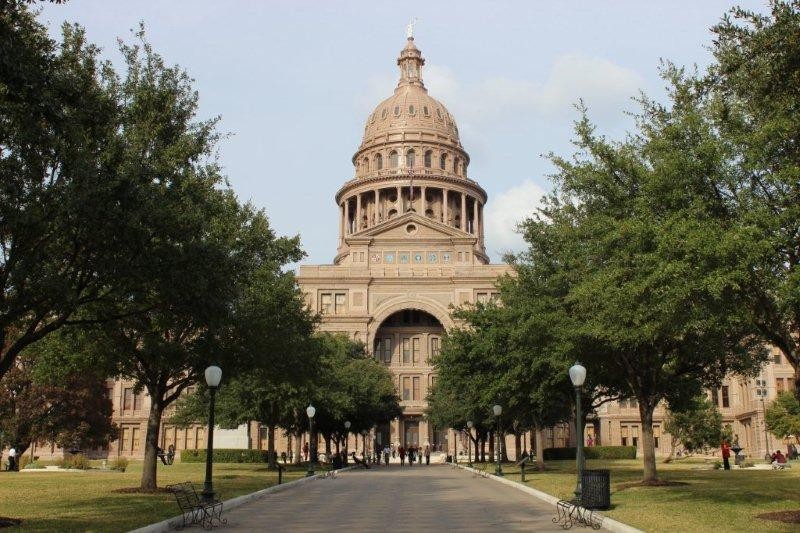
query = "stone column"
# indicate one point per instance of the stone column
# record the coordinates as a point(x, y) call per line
point(444, 206)
point(422, 199)
point(358, 212)
point(346, 216)
point(341, 224)
point(377, 209)
point(463, 211)
point(474, 216)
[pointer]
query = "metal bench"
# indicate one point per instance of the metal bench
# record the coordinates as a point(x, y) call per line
point(570, 513)
point(193, 509)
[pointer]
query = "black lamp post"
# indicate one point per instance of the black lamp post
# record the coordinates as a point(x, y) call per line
point(577, 374)
point(498, 410)
point(469, 443)
point(346, 439)
point(213, 376)
point(311, 411)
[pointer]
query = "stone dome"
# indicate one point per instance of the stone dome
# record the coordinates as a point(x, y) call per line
point(411, 114)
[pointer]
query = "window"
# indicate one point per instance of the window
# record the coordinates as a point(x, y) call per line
point(410, 159)
point(387, 350)
point(439, 113)
point(137, 402)
point(127, 399)
point(411, 110)
point(779, 385)
point(406, 388)
point(397, 110)
point(483, 297)
point(656, 434)
point(415, 390)
point(406, 350)
point(427, 159)
point(443, 161)
point(326, 304)
point(425, 111)
point(201, 438)
point(393, 161)
point(378, 161)
point(635, 436)
point(435, 346)
point(365, 164)
point(124, 441)
point(726, 402)
point(135, 439)
point(333, 303)
point(415, 352)
point(776, 358)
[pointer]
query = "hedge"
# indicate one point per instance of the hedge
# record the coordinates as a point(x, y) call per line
point(226, 455)
point(591, 452)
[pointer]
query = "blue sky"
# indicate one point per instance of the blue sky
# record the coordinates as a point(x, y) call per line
point(295, 80)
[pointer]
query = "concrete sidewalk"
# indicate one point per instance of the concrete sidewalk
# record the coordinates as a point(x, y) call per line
point(435, 497)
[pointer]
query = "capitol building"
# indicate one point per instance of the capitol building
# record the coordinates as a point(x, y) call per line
point(410, 250)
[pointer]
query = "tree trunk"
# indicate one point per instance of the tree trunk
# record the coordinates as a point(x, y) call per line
point(648, 443)
point(491, 446)
point(327, 446)
point(273, 459)
point(518, 446)
point(296, 453)
point(148, 482)
point(483, 449)
point(539, 448)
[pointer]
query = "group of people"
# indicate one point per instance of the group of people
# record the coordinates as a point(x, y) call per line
point(413, 453)
point(13, 459)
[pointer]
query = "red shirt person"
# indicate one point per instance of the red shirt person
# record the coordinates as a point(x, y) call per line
point(726, 455)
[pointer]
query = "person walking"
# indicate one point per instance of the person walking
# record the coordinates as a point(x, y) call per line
point(305, 450)
point(402, 453)
point(726, 455)
point(386, 452)
point(427, 454)
point(13, 466)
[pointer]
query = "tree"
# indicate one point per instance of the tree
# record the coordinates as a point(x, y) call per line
point(750, 96)
point(70, 224)
point(783, 415)
point(696, 425)
point(73, 411)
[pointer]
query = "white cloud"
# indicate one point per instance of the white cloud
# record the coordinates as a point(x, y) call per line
point(508, 209)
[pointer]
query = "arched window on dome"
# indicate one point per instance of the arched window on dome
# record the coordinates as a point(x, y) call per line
point(365, 165)
point(393, 160)
point(425, 111)
point(428, 157)
point(443, 161)
point(378, 161)
point(457, 166)
point(410, 159)
point(411, 110)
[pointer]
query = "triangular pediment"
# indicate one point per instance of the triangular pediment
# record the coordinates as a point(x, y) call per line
point(412, 226)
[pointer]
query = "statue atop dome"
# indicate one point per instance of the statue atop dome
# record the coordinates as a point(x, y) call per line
point(410, 28)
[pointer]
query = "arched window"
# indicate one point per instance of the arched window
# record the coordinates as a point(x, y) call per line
point(428, 156)
point(378, 161)
point(410, 159)
point(393, 159)
point(443, 161)
point(397, 110)
point(392, 213)
point(365, 165)
point(411, 110)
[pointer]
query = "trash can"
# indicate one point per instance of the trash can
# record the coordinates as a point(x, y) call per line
point(596, 489)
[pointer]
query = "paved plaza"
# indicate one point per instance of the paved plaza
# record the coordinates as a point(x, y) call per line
point(421, 498)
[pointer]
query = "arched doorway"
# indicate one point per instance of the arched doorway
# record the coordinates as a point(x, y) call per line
point(405, 342)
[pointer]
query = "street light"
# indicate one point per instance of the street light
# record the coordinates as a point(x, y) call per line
point(213, 375)
point(577, 374)
point(364, 444)
point(761, 392)
point(469, 443)
point(346, 439)
point(498, 410)
point(311, 411)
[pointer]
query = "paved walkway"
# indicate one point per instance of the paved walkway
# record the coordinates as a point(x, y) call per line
point(432, 498)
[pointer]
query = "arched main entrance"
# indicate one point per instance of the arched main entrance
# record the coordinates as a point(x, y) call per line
point(405, 342)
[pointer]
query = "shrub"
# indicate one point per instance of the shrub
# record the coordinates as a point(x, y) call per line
point(591, 452)
point(120, 464)
point(224, 455)
point(78, 462)
point(33, 465)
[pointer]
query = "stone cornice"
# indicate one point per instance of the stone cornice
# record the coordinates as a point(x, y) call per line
point(392, 179)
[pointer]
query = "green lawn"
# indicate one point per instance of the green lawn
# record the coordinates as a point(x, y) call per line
point(85, 501)
point(711, 500)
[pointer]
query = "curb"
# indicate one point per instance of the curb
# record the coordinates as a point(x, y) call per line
point(171, 524)
point(609, 524)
